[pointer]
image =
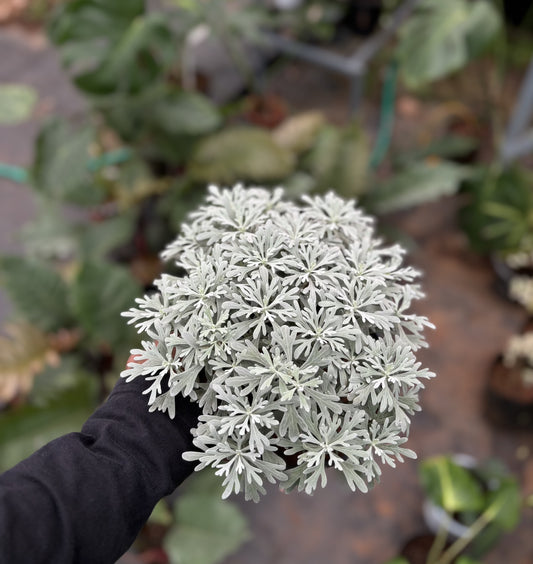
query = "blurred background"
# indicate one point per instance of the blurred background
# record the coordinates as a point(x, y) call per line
point(115, 116)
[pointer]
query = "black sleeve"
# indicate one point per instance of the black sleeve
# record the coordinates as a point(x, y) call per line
point(84, 497)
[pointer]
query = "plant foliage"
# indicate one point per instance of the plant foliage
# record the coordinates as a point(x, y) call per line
point(292, 330)
point(451, 32)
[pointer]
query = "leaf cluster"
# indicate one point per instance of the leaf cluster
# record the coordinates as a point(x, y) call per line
point(485, 498)
point(126, 60)
point(498, 217)
point(452, 33)
point(292, 330)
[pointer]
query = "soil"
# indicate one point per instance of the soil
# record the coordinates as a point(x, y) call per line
point(416, 550)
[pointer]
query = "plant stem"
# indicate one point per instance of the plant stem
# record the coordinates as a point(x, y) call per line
point(477, 526)
point(438, 544)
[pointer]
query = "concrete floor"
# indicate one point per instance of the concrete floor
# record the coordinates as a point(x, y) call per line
point(473, 323)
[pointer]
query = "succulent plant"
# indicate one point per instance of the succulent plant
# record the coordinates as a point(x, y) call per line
point(291, 327)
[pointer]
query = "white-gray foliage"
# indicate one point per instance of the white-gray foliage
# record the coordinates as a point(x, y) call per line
point(292, 329)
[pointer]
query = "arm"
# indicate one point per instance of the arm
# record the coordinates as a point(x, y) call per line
point(84, 497)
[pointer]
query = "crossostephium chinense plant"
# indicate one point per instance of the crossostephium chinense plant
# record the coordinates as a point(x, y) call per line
point(291, 329)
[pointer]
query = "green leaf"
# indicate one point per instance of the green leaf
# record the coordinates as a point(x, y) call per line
point(451, 33)
point(240, 154)
point(37, 291)
point(504, 504)
point(85, 20)
point(419, 183)
point(466, 560)
point(339, 160)
point(85, 29)
point(498, 217)
point(451, 486)
point(60, 170)
point(56, 380)
point(100, 292)
point(351, 175)
point(207, 530)
point(98, 239)
point(16, 103)
point(50, 236)
point(323, 157)
point(138, 57)
point(398, 560)
point(25, 429)
point(449, 147)
point(185, 113)
point(161, 514)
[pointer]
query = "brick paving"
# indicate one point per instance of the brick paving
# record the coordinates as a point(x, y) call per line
point(473, 322)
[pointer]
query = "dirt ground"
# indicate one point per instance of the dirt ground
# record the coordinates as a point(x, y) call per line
point(473, 322)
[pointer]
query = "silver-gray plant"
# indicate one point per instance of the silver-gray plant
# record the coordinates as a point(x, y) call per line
point(292, 329)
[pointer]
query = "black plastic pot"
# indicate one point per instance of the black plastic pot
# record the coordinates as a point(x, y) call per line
point(507, 403)
point(362, 16)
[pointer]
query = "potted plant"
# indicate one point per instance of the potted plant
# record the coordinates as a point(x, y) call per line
point(291, 329)
point(498, 222)
point(509, 393)
point(468, 507)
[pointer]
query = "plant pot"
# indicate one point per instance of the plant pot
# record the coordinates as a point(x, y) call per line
point(416, 550)
point(362, 16)
point(504, 275)
point(265, 110)
point(508, 399)
point(436, 517)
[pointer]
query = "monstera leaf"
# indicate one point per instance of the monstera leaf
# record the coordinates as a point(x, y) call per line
point(442, 37)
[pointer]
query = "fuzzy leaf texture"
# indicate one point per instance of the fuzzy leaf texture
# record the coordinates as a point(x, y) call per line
point(292, 329)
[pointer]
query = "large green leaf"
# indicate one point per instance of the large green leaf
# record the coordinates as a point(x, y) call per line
point(85, 29)
point(100, 292)
point(240, 154)
point(185, 113)
point(419, 183)
point(25, 429)
point(498, 217)
point(98, 239)
point(138, 57)
point(207, 530)
point(113, 46)
point(50, 236)
point(504, 504)
point(60, 169)
point(451, 486)
point(339, 160)
point(442, 37)
point(37, 291)
point(16, 103)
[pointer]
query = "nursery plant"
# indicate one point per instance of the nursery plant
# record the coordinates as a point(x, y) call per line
point(291, 328)
point(509, 395)
point(485, 498)
point(469, 505)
